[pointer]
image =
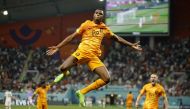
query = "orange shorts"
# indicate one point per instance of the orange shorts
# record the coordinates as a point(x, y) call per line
point(129, 104)
point(150, 107)
point(41, 105)
point(85, 57)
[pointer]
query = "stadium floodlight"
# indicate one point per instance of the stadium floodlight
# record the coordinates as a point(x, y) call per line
point(5, 12)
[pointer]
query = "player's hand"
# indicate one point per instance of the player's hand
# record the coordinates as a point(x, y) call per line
point(137, 46)
point(33, 97)
point(137, 105)
point(165, 106)
point(52, 50)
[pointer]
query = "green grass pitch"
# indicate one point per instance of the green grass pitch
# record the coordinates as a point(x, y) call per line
point(67, 107)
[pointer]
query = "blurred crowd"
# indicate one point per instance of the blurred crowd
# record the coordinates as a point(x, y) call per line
point(11, 65)
point(170, 59)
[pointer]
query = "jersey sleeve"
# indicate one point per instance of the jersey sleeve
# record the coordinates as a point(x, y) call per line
point(143, 90)
point(36, 91)
point(81, 29)
point(127, 97)
point(108, 33)
point(163, 93)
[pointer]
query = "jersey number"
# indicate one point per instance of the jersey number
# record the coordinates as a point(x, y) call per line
point(96, 32)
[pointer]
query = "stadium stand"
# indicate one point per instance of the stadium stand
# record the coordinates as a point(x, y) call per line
point(129, 71)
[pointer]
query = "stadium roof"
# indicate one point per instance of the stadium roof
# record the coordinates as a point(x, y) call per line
point(32, 9)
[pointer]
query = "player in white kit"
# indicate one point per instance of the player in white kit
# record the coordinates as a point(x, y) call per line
point(29, 97)
point(8, 97)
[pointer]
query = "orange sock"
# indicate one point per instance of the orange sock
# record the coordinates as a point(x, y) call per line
point(95, 85)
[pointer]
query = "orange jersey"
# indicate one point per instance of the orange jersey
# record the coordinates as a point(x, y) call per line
point(129, 99)
point(42, 94)
point(92, 35)
point(152, 95)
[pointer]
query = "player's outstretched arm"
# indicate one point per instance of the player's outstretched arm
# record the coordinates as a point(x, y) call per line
point(165, 102)
point(136, 45)
point(34, 94)
point(53, 49)
point(137, 101)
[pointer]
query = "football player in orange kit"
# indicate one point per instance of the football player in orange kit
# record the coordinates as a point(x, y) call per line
point(88, 51)
point(152, 91)
point(129, 100)
point(41, 91)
